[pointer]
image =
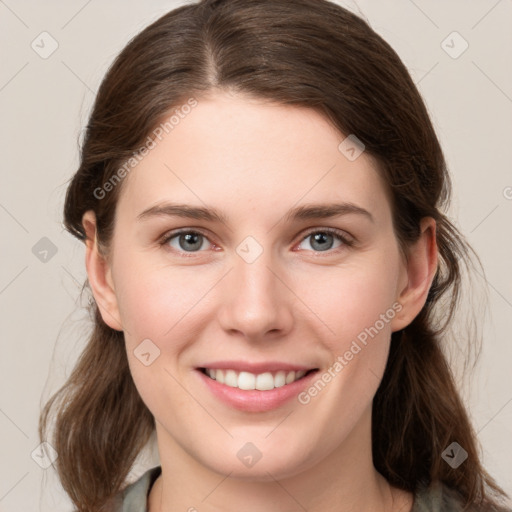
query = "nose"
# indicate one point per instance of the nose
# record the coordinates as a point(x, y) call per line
point(257, 299)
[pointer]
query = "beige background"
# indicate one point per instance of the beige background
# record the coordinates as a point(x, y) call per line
point(45, 102)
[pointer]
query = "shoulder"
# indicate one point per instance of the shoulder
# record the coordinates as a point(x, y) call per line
point(133, 498)
point(438, 497)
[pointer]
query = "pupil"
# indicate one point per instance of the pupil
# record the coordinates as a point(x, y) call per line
point(192, 239)
point(321, 238)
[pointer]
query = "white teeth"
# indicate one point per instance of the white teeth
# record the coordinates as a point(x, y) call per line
point(264, 381)
point(219, 376)
point(230, 378)
point(247, 381)
point(279, 379)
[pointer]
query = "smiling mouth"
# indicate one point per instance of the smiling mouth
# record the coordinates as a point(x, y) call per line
point(249, 381)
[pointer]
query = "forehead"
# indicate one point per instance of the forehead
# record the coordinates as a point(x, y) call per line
point(245, 154)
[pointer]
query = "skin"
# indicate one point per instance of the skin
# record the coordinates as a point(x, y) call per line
point(253, 161)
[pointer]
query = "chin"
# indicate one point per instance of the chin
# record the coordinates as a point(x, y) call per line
point(251, 464)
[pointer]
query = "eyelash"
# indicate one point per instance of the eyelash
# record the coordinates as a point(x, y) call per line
point(332, 231)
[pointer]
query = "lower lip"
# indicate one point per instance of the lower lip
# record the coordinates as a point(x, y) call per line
point(254, 400)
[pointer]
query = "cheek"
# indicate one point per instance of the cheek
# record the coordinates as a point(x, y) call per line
point(163, 305)
point(167, 306)
point(353, 299)
point(154, 301)
point(358, 304)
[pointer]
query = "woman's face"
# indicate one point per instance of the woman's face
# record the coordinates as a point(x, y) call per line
point(265, 288)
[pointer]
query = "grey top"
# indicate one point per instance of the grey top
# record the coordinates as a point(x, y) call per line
point(436, 498)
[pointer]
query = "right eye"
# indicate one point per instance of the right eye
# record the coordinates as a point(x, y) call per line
point(183, 241)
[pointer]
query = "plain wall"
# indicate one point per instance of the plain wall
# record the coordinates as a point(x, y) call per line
point(44, 103)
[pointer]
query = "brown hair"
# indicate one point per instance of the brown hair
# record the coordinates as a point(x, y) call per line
point(309, 53)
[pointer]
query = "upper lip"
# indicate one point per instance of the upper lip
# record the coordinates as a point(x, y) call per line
point(256, 368)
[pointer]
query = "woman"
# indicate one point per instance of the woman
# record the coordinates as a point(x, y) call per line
point(260, 194)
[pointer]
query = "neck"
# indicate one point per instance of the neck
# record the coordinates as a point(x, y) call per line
point(344, 480)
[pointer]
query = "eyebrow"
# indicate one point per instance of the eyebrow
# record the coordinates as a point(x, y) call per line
point(304, 212)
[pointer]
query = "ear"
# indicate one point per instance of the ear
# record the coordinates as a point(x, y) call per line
point(99, 274)
point(417, 275)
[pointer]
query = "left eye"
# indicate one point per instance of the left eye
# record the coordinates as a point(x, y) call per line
point(193, 241)
point(322, 239)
